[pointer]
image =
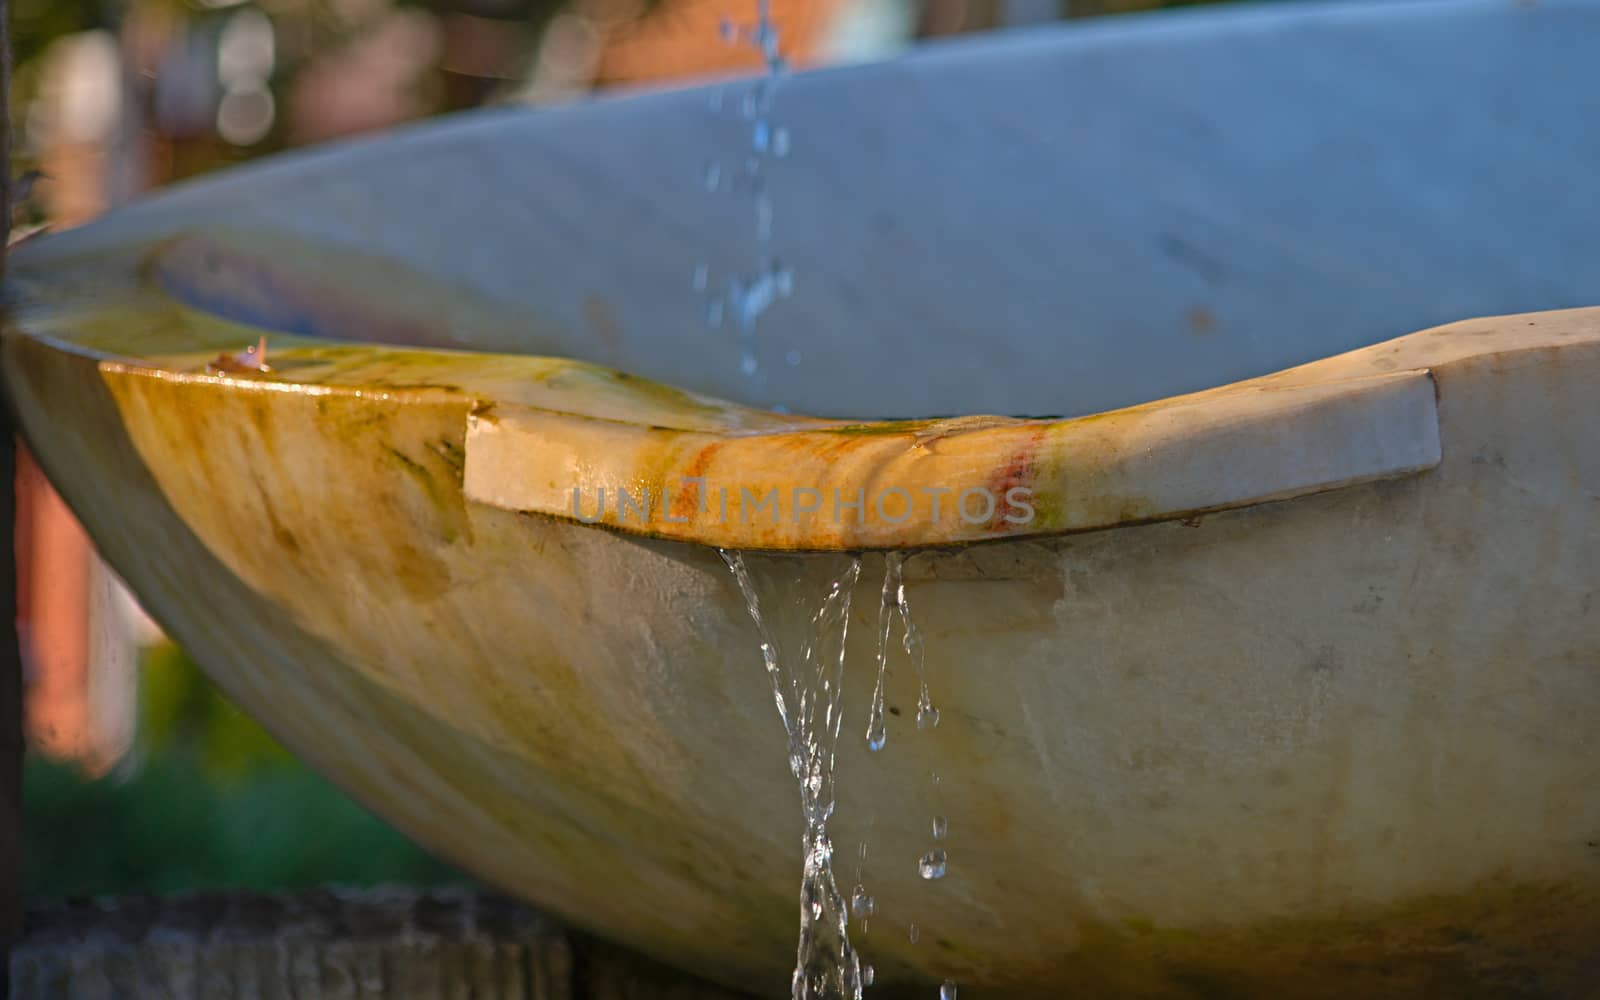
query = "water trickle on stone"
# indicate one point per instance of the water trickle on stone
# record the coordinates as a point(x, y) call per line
point(745, 298)
point(894, 606)
point(806, 691)
point(877, 729)
point(862, 905)
point(927, 715)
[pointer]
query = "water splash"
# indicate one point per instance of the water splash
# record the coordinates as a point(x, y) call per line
point(807, 693)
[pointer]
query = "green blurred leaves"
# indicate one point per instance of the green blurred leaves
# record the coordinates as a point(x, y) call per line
point(209, 800)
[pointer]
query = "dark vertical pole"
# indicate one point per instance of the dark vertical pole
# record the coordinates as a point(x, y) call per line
point(11, 744)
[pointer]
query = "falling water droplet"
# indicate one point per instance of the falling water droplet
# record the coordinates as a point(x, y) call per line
point(749, 297)
point(766, 36)
point(792, 359)
point(867, 975)
point(861, 904)
point(927, 717)
point(940, 827)
point(763, 218)
point(911, 933)
point(702, 274)
point(714, 101)
point(948, 990)
point(932, 864)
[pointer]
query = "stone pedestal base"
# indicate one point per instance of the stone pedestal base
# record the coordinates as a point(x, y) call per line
point(326, 944)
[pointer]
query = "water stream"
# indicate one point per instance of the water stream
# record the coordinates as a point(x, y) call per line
point(892, 605)
point(806, 688)
point(810, 682)
point(744, 298)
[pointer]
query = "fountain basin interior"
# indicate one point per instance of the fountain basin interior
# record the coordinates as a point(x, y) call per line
point(1286, 689)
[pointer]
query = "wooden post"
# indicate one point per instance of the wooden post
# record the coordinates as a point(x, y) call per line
point(11, 743)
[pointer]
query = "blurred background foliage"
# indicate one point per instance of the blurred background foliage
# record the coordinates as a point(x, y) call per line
point(113, 97)
point(206, 799)
point(425, 56)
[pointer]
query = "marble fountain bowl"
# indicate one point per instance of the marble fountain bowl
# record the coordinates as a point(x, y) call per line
point(1287, 688)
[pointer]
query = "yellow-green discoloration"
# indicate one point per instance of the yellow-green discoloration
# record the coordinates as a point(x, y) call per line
point(1336, 746)
point(546, 427)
